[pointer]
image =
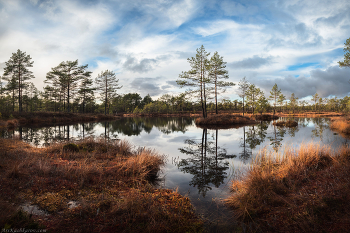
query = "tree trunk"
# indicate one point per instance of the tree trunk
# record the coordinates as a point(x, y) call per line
point(19, 89)
point(106, 98)
point(243, 105)
point(216, 98)
point(68, 109)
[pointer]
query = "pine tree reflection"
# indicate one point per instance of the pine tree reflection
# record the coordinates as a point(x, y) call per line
point(320, 126)
point(167, 125)
point(256, 134)
point(246, 152)
point(277, 138)
point(206, 162)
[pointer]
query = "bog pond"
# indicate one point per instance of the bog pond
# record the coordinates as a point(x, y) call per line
point(200, 162)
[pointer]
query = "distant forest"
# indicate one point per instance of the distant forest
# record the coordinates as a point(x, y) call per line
point(71, 88)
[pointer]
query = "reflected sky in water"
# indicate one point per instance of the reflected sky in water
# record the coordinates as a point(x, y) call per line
point(200, 162)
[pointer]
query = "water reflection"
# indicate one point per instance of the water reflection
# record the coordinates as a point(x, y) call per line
point(205, 161)
point(277, 137)
point(205, 158)
point(134, 126)
point(109, 130)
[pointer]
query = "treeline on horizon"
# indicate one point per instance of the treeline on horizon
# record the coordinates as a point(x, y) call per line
point(70, 88)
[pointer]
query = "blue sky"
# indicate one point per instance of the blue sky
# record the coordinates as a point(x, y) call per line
point(295, 44)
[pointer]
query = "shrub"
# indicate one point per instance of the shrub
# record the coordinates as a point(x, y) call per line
point(71, 147)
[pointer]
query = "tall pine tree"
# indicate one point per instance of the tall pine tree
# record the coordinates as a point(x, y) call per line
point(243, 87)
point(274, 94)
point(67, 75)
point(16, 73)
point(197, 78)
point(217, 71)
point(107, 85)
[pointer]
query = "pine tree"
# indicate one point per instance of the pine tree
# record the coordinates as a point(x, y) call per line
point(16, 73)
point(67, 76)
point(346, 62)
point(293, 101)
point(253, 94)
point(217, 71)
point(315, 97)
point(197, 77)
point(86, 91)
point(275, 92)
point(281, 99)
point(243, 88)
point(107, 85)
point(10, 88)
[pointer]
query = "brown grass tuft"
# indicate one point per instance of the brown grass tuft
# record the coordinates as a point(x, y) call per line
point(224, 120)
point(294, 191)
point(108, 181)
point(12, 123)
point(266, 117)
point(341, 125)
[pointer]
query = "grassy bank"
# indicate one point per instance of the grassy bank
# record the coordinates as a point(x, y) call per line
point(310, 114)
point(289, 123)
point(91, 186)
point(224, 120)
point(265, 117)
point(341, 125)
point(301, 190)
point(46, 118)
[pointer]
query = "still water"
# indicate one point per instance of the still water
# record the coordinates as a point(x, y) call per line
point(200, 162)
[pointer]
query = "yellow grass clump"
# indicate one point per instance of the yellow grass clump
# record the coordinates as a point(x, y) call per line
point(341, 125)
point(299, 190)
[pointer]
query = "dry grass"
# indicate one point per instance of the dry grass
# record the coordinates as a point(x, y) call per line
point(341, 125)
point(109, 181)
point(224, 120)
point(266, 117)
point(311, 114)
point(301, 190)
point(12, 123)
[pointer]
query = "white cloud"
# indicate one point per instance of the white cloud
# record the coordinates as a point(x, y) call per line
point(221, 26)
point(154, 38)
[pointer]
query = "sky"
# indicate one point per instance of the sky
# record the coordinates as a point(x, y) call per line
point(295, 44)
